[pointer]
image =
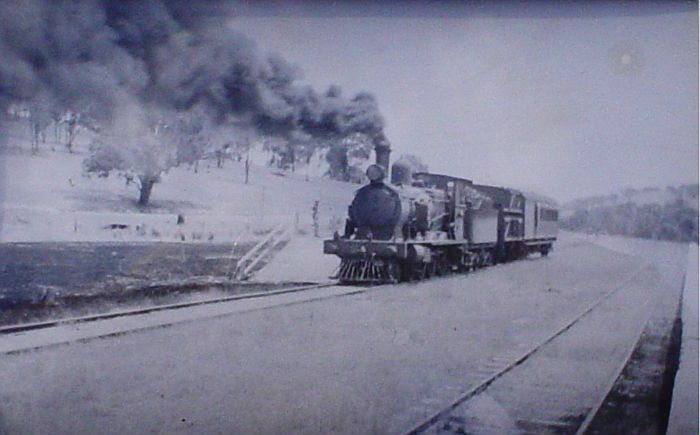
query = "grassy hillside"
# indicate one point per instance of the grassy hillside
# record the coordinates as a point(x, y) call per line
point(47, 197)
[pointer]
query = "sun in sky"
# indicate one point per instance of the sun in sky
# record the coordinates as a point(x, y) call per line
point(627, 59)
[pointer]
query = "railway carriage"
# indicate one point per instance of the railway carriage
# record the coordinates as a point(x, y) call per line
point(425, 224)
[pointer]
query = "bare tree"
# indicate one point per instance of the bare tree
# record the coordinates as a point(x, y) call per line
point(189, 133)
point(347, 154)
point(247, 159)
point(414, 162)
point(73, 127)
point(39, 119)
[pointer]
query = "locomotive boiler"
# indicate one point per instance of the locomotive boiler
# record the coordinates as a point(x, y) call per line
point(423, 224)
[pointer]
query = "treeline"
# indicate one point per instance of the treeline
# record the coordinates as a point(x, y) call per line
point(675, 221)
point(685, 192)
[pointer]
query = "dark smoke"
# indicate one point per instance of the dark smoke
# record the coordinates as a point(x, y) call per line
point(62, 55)
point(93, 57)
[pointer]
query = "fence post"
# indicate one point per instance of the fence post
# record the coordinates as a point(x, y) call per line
point(314, 216)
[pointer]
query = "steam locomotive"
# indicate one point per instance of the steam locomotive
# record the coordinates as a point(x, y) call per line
point(426, 224)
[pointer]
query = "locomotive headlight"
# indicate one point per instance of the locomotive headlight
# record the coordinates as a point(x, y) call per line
point(375, 173)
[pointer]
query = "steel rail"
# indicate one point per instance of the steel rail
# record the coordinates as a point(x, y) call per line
point(8, 330)
point(590, 417)
point(484, 384)
point(131, 312)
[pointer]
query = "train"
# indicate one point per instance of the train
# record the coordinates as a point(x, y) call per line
point(423, 224)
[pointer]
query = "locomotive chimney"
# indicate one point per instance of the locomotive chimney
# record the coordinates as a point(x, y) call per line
point(382, 151)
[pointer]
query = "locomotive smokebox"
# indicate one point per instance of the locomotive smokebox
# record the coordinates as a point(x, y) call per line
point(382, 151)
point(376, 210)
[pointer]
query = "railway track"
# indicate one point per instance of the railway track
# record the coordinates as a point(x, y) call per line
point(25, 327)
point(15, 339)
point(486, 363)
point(16, 331)
point(525, 392)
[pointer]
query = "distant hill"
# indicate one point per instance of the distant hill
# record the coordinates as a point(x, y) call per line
point(669, 213)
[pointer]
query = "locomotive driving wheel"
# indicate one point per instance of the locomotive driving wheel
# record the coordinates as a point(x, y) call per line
point(467, 262)
point(394, 271)
point(415, 271)
point(440, 266)
point(427, 270)
point(421, 271)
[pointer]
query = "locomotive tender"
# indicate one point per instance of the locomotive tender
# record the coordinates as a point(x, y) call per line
point(426, 224)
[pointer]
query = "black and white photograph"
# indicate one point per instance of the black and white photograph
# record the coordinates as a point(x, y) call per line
point(349, 217)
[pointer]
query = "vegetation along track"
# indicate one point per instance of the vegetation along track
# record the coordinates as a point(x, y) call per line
point(523, 393)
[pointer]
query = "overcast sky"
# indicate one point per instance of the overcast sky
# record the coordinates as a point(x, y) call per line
point(567, 99)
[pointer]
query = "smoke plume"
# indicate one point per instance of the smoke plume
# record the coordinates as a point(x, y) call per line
point(94, 57)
